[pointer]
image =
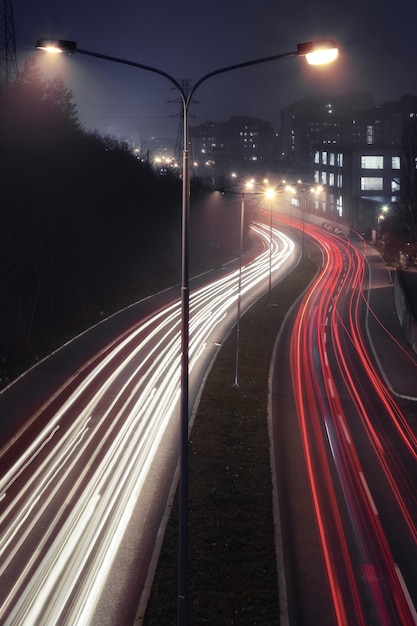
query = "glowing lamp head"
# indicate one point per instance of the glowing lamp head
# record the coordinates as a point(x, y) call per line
point(319, 52)
point(56, 46)
point(51, 49)
point(322, 57)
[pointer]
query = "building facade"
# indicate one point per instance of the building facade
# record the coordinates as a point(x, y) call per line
point(358, 181)
point(352, 148)
point(242, 144)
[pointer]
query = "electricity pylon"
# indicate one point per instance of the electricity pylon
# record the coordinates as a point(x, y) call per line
point(8, 62)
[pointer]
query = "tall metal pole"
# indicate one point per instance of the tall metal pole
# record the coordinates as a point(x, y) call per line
point(185, 312)
point(239, 288)
point(270, 256)
point(303, 224)
point(303, 49)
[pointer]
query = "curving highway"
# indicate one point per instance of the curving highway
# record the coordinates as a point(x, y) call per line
point(78, 471)
point(355, 457)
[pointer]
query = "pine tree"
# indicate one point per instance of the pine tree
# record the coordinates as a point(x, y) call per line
point(29, 83)
point(39, 106)
point(59, 98)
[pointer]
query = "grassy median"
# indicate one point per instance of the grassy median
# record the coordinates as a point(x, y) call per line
point(232, 567)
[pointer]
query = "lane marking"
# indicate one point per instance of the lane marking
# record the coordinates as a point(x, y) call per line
point(345, 430)
point(406, 593)
point(368, 493)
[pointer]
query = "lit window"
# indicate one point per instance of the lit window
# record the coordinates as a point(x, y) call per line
point(340, 159)
point(395, 163)
point(324, 158)
point(372, 183)
point(372, 162)
point(331, 179)
point(317, 157)
point(324, 178)
point(331, 158)
point(395, 185)
point(339, 205)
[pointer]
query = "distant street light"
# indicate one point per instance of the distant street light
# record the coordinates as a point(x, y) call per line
point(316, 52)
point(381, 218)
point(248, 185)
point(270, 193)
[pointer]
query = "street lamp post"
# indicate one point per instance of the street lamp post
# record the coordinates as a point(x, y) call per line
point(303, 225)
point(239, 287)
point(316, 53)
point(270, 193)
point(304, 198)
point(249, 185)
point(243, 193)
point(380, 218)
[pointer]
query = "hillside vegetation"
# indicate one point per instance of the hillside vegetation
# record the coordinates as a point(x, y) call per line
point(86, 227)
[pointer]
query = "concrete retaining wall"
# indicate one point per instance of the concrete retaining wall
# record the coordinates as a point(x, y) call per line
point(404, 309)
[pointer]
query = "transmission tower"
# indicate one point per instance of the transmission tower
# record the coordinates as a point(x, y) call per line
point(8, 62)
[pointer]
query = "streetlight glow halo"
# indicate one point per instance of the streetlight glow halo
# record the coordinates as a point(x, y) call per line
point(56, 45)
point(322, 57)
point(320, 52)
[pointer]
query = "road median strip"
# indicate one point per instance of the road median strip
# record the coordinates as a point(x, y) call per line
point(232, 576)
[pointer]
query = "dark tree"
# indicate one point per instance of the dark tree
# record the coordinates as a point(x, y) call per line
point(60, 100)
point(407, 205)
point(29, 84)
point(37, 106)
point(86, 227)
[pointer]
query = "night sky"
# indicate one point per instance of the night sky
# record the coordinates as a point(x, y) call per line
point(188, 39)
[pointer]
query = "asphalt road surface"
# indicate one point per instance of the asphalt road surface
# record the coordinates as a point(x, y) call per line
point(91, 448)
point(346, 453)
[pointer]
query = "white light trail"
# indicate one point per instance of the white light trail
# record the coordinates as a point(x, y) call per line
point(81, 478)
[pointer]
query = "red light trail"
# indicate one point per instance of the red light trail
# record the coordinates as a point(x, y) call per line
point(331, 368)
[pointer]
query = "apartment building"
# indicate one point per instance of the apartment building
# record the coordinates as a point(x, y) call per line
point(359, 181)
point(243, 144)
point(352, 148)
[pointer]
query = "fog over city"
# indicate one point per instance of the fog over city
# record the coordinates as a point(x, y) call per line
point(187, 40)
